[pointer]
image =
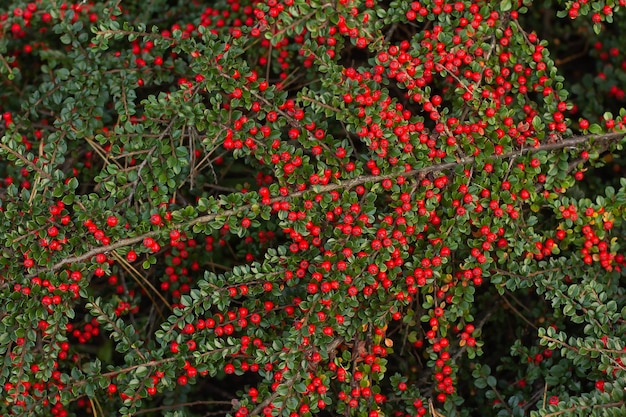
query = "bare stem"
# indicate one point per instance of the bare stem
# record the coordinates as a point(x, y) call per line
point(26, 161)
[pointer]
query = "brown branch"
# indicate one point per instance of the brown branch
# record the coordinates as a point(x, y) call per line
point(319, 103)
point(139, 279)
point(518, 313)
point(26, 161)
point(584, 407)
point(149, 364)
point(351, 183)
point(110, 33)
point(93, 252)
point(590, 349)
point(272, 397)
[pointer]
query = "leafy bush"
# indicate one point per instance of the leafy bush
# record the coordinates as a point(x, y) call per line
point(309, 207)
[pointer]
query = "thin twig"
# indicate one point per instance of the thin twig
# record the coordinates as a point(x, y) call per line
point(26, 161)
point(518, 313)
point(140, 279)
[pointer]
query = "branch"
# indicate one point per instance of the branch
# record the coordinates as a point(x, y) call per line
point(272, 397)
point(150, 364)
point(26, 161)
point(584, 407)
point(93, 252)
point(109, 33)
point(363, 179)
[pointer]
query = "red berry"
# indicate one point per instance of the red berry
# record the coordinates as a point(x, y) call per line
point(584, 124)
point(155, 219)
point(524, 194)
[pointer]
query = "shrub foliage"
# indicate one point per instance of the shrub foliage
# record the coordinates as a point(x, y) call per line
point(312, 207)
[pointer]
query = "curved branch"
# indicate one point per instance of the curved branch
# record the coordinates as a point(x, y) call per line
point(26, 161)
point(348, 184)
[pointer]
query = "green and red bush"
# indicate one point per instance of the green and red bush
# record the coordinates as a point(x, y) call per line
point(308, 207)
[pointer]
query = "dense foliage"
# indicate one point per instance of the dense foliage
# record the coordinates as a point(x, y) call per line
point(312, 207)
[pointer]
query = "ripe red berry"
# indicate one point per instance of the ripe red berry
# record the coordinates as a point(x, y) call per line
point(584, 124)
point(155, 219)
point(600, 385)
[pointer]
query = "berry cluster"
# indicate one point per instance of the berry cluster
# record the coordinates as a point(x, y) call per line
point(305, 209)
